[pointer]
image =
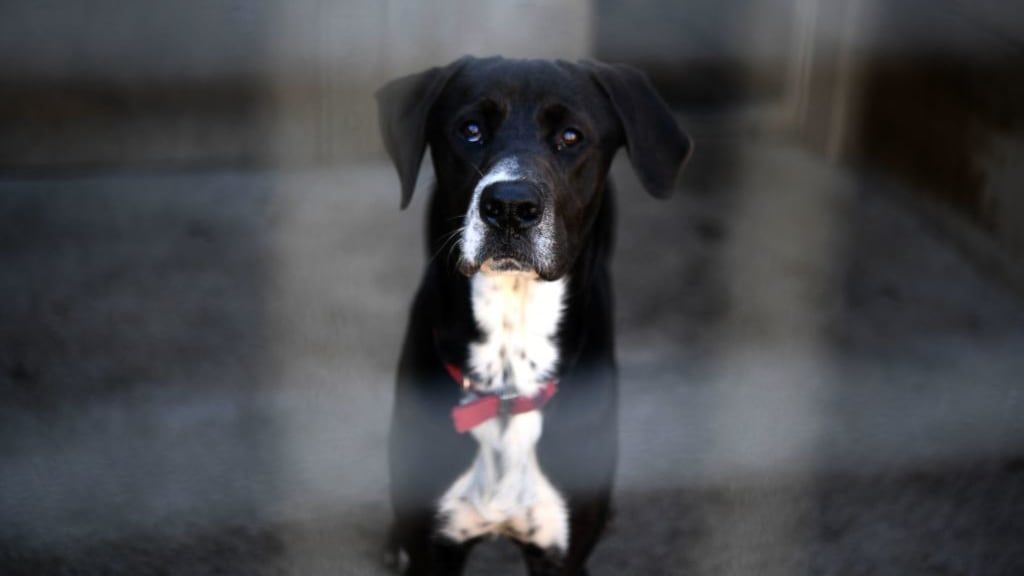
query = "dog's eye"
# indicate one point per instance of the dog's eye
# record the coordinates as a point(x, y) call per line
point(569, 138)
point(472, 132)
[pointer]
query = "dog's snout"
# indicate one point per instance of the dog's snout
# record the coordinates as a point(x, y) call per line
point(511, 205)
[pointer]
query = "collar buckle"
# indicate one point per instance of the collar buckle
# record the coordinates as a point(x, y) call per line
point(506, 397)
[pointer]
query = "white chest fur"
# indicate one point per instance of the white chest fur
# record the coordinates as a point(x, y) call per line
point(504, 491)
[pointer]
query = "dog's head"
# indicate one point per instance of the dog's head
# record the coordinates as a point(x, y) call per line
point(521, 151)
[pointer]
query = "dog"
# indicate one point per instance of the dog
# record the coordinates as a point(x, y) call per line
point(505, 412)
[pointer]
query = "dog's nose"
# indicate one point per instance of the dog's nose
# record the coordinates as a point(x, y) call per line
point(511, 205)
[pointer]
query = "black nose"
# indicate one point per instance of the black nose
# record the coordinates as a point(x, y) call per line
point(511, 205)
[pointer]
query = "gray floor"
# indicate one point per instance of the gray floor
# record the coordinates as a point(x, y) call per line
point(196, 374)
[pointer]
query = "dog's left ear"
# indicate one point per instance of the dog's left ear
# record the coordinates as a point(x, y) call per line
point(657, 147)
point(403, 106)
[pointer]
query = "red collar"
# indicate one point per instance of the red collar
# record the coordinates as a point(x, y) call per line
point(482, 406)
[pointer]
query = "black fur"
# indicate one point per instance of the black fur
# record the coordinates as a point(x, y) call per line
point(520, 104)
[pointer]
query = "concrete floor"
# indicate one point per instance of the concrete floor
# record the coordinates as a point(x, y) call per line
point(197, 369)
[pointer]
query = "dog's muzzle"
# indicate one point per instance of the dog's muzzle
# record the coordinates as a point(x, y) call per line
point(510, 223)
point(512, 214)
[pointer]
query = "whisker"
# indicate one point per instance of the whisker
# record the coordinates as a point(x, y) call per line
point(454, 234)
point(456, 244)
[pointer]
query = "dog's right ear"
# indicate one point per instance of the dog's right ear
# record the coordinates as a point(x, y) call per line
point(403, 106)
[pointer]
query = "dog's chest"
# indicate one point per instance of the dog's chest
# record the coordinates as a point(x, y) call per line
point(505, 491)
point(518, 317)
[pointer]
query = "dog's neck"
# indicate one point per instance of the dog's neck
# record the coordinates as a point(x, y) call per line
point(518, 318)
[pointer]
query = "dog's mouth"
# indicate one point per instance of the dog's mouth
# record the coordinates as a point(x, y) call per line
point(506, 266)
point(509, 263)
point(502, 256)
point(500, 263)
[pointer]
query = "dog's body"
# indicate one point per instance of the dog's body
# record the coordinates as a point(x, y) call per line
point(521, 151)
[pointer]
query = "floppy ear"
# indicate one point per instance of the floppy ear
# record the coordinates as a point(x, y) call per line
point(403, 106)
point(657, 147)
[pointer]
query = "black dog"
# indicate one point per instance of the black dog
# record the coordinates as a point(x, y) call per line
point(515, 303)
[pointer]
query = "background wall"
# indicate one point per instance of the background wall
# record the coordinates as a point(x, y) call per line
point(226, 82)
point(923, 91)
